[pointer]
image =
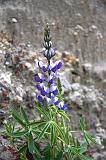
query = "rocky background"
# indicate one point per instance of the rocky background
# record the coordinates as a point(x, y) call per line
point(78, 30)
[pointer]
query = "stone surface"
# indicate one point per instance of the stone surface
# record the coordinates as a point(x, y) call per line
point(76, 25)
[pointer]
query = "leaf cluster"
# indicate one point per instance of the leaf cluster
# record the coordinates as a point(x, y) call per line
point(49, 138)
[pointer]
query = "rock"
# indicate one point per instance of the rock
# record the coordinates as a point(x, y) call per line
point(76, 86)
point(104, 141)
point(2, 116)
point(76, 98)
point(103, 117)
point(92, 28)
point(99, 35)
point(99, 156)
point(7, 153)
point(18, 99)
point(87, 67)
point(76, 95)
point(14, 20)
point(90, 95)
point(5, 78)
point(79, 27)
point(100, 130)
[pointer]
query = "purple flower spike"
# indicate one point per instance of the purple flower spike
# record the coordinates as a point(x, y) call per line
point(43, 67)
point(50, 79)
point(53, 51)
point(39, 77)
point(49, 54)
point(50, 101)
point(63, 106)
point(57, 65)
point(54, 90)
point(56, 101)
point(40, 86)
point(40, 99)
point(44, 91)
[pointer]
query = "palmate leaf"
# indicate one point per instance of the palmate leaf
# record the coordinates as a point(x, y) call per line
point(37, 152)
point(53, 135)
point(32, 147)
point(59, 156)
point(24, 115)
point(47, 125)
point(59, 86)
point(47, 153)
point(18, 118)
point(18, 134)
point(89, 138)
point(37, 125)
point(63, 114)
point(68, 136)
point(30, 142)
point(42, 111)
point(82, 123)
point(23, 149)
point(76, 152)
point(59, 130)
point(83, 157)
point(83, 147)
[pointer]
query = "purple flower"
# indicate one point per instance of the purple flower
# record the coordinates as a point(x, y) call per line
point(44, 90)
point(49, 100)
point(53, 89)
point(39, 78)
point(52, 100)
point(49, 54)
point(43, 67)
point(50, 79)
point(40, 86)
point(63, 106)
point(56, 101)
point(57, 65)
point(40, 99)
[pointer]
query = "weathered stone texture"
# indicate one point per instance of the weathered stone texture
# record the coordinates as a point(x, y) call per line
point(77, 26)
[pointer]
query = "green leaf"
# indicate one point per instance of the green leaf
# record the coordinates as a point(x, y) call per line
point(59, 86)
point(42, 111)
point(24, 115)
point(18, 133)
point(43, 131)
point(37, 125)
point(18, 118)
point(47, 152)
point(86, 137)
point(82, 123)
point(22, 149)
point(36, 152)
point(83, 147)
point(63, 114)
point(59, 156)
point(59, 130)
point(52, 135)
point(83, 157)
point(30, 142)
point(91, 138)
point(76, 152)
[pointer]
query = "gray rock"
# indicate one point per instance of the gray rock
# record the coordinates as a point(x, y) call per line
point(14, 20)
point(2, 116)
point(99, 156)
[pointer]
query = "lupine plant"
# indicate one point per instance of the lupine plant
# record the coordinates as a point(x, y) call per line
point(49, 137)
